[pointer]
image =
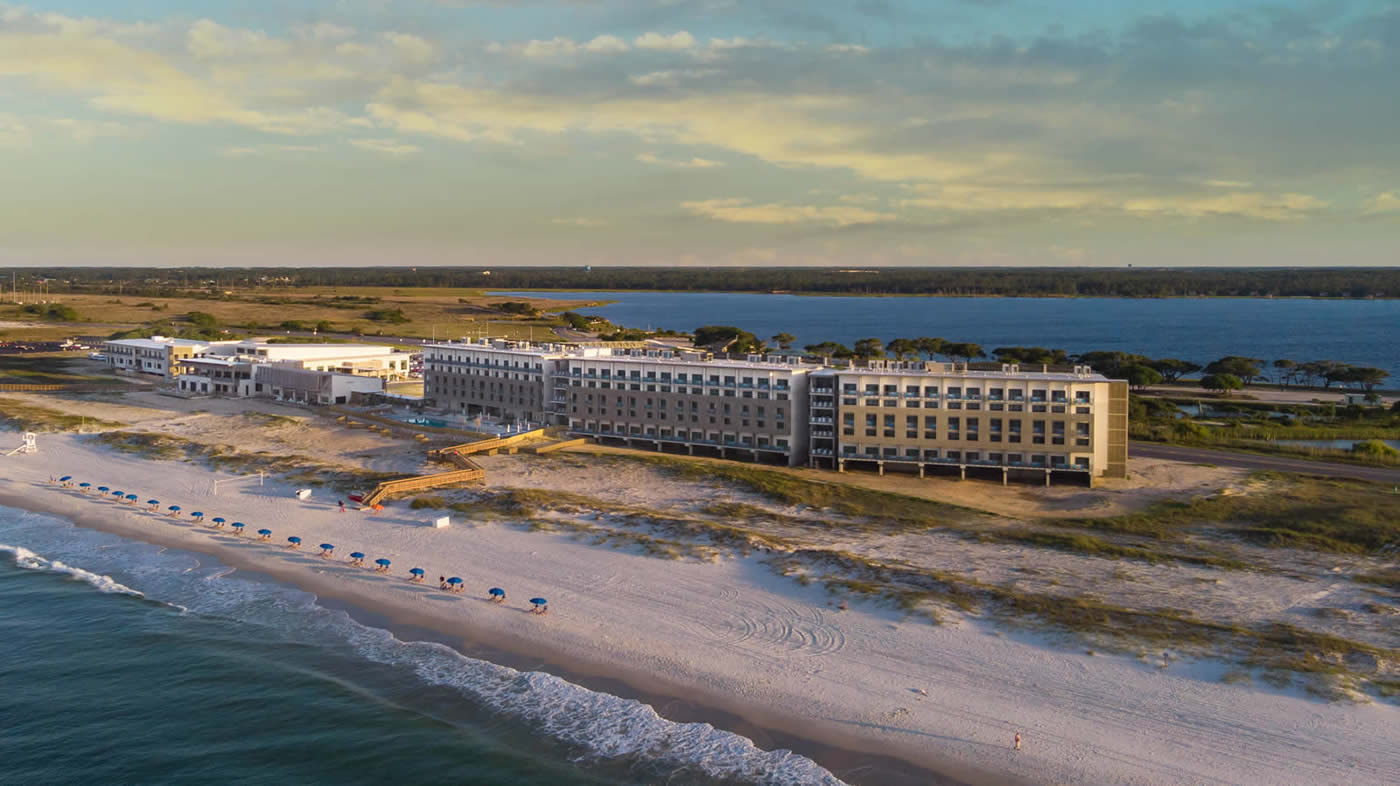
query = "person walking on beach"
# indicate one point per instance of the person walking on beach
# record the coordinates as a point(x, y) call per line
point(341, 503)
point(1018, 740)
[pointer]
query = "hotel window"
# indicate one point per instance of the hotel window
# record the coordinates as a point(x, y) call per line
point(954, 393)
point(954, 426)
point(911, 426)
point(889, 425)
point(930, 427)
point(931, 392)
point(848, 424)
point(972, 429)
point(870, 425)
point(1081, 434)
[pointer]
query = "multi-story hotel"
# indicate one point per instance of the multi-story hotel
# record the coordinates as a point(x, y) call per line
point(502, 379)
point(912, 417)
point(943, 417)
point(753, 409)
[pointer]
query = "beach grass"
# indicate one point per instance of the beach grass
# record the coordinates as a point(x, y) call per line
point(1094, 546)
point(22, 415)
point(1280, 510)
point(787, 489)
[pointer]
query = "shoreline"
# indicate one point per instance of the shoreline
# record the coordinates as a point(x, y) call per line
point(767, 730)
point(736, 642)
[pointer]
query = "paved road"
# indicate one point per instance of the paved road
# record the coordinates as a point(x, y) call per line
point(1225, 458)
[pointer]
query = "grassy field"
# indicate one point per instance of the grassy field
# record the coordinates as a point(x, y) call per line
point(414, 313)
point(19, 414)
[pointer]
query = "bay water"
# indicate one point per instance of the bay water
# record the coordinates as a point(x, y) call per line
point(1359, 332)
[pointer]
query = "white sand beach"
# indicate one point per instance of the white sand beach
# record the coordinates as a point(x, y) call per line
point(734, 635)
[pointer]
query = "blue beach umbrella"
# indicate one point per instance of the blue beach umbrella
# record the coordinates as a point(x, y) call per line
point(382, 561)
point(538, 601)
point(131, 497)
point(199, 514)
point(264, 532)
point(294, 539)
point(65, 478)
point(416, 571)
point(237, 525)
point(356, 555)
point(455, 580)
point(174, 509)
point(119, 494)
point(497, 592)
point(152, 502)
point(327, 546)
point(84, 486)
point(103, 489)
point(217, 519)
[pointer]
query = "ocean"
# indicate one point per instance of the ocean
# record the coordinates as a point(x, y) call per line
point(125, 662)
point(1360, 332)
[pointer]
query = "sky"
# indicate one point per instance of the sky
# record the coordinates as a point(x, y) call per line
point(303, 133)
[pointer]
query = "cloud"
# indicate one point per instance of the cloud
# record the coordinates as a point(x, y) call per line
point(560, 46)
point(263, 150)
point(1104, 198)
point(1387, 202)
point(693, 163)
point(743, 211)
point(675, 41)
point(388, 147)
point(412, 48)
point(606, 44)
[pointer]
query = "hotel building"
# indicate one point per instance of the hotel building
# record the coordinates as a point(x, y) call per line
point(922, 418)
point(942, 417)
point(753, 409)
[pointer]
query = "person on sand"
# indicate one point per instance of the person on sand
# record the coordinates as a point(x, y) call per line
point(442, 582)
point(341, 503)
point(1018, 741)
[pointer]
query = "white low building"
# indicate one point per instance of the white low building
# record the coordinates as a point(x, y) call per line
point(158, 355)
point(358, 359)
point(286, 381)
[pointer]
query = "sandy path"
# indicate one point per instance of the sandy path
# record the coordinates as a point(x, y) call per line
point(732, 634)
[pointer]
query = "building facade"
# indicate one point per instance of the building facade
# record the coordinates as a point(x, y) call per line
point(939, 418)
point(157, 355)
point(942, 417)
point(752, 409)
point(502, 379)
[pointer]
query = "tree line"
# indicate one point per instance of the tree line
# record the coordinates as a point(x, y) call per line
point(1227, 374)
point(1045, 282)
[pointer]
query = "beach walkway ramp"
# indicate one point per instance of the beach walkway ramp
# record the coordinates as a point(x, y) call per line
point(467, 471)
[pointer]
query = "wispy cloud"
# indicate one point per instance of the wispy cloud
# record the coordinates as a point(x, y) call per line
point(263, 150)
point(691, 163)
point(388, 147)
point(1386, 202)
point(743, 211)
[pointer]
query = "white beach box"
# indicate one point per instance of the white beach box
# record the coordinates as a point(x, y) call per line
point(303, 494)
point(442, 522)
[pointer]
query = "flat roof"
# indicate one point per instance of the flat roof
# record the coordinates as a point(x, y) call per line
point(157, 342)
point(1046, 376)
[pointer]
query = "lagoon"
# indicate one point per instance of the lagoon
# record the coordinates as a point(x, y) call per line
point(1360, 332)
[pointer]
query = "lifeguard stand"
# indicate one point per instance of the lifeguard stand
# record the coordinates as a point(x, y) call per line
point(30, 445)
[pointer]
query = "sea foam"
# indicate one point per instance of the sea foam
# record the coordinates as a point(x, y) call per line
point(27, 559)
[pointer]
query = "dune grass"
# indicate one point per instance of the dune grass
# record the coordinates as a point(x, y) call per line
point(1288, 511)
point(18, 414)
point(1094, 546)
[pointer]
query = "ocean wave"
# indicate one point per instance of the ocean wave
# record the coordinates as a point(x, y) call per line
point(603, 726)
point(598, 727)
point(27, 559)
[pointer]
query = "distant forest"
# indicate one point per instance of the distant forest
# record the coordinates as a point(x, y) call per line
point(1043, 282)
